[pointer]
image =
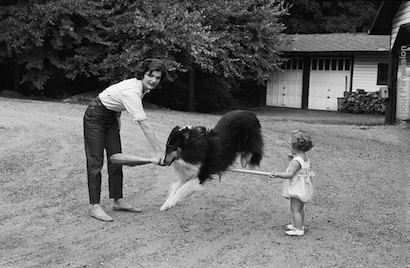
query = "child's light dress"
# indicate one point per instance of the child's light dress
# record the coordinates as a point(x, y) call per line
point(300, 186)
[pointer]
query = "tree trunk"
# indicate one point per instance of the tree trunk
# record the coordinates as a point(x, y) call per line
point(16, 77)
point(191, 90)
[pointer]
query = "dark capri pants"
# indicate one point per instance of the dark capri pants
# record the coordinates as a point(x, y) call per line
point(101, 131)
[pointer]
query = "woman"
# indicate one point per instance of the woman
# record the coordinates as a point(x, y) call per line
point(102, 131)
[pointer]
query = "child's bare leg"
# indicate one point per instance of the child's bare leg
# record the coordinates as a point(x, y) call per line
point(296, 206)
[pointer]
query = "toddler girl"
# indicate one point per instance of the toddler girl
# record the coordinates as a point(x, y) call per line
point(297, 185)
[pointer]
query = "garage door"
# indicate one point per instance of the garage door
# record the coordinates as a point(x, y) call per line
point(284, 88)
point(329, 79)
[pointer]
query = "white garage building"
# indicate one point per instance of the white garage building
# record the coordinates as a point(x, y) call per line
point(321, 67)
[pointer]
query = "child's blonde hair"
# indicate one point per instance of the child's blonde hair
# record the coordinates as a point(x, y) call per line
point(300, 140)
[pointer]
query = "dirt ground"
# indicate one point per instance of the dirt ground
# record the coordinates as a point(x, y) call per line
point(359, 216)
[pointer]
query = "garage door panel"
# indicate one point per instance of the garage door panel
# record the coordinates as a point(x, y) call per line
point(292, 93)
point(329, 104)
point(325, 86)
point(285, 87)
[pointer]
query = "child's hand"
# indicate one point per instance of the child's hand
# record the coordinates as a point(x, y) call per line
point(274, 174)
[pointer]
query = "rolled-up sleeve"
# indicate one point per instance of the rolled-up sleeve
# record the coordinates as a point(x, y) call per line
point(133, 104)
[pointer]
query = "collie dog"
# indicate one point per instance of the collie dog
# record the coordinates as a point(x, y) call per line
point(197, 153)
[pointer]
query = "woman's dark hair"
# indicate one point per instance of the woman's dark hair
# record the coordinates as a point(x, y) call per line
point(151, 65)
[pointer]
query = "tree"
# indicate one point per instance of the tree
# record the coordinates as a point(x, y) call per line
point(328, 16)
point(230, 39)
point(169, 30)
point(249, 34)
point(52, 40)
point(69, 40)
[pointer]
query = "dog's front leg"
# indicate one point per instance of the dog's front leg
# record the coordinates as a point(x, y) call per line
point(172, 190)
point(245, 158)
point(184, 191)
point(174, 187)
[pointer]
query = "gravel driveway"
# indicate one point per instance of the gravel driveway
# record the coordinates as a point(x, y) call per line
point(359, 216)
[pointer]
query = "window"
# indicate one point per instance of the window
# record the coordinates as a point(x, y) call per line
point(331, 64)
point(334, 64)
point(314, 64)
point(288, 65)
point(327, 64)
point(294, 64)
point(340, 65)
point(320, 64)
point(347, 64)
point(382, 72)
point(300, 66)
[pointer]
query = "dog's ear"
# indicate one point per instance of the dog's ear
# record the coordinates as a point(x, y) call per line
point(200, 130)
point(177, 128)
point(185, 133)
point(173, 134)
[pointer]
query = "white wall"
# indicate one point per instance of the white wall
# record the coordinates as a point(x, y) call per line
point(402, 17)
point(365, 71)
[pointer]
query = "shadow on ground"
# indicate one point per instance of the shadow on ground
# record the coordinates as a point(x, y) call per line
point(275, 113)
point(317, 116)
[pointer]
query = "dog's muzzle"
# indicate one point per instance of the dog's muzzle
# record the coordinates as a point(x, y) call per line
point(170, 158)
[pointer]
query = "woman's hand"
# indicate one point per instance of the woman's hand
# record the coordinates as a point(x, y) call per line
point(159, 159)
point(156, 161)
point(273, 175)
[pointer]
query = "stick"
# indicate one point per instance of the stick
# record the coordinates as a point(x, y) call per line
point(129, 160)
point(249, 171)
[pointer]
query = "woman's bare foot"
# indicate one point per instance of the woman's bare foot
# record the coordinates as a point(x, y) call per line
point(122, 205)
point(98, 212)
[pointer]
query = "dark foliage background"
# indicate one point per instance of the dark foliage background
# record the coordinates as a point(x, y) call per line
point(330, 16)
point(55, 49)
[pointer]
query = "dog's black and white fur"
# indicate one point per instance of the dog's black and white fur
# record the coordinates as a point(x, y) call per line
point(198, 153)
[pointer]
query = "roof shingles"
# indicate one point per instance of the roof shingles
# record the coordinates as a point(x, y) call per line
point(338, 42)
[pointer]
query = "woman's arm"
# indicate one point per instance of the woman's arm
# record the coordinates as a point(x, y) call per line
point(293, 168)
point(151, 138)
point(118, 115)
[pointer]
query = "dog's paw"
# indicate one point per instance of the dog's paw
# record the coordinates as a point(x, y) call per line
point(164, 207)
point(167, 206)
